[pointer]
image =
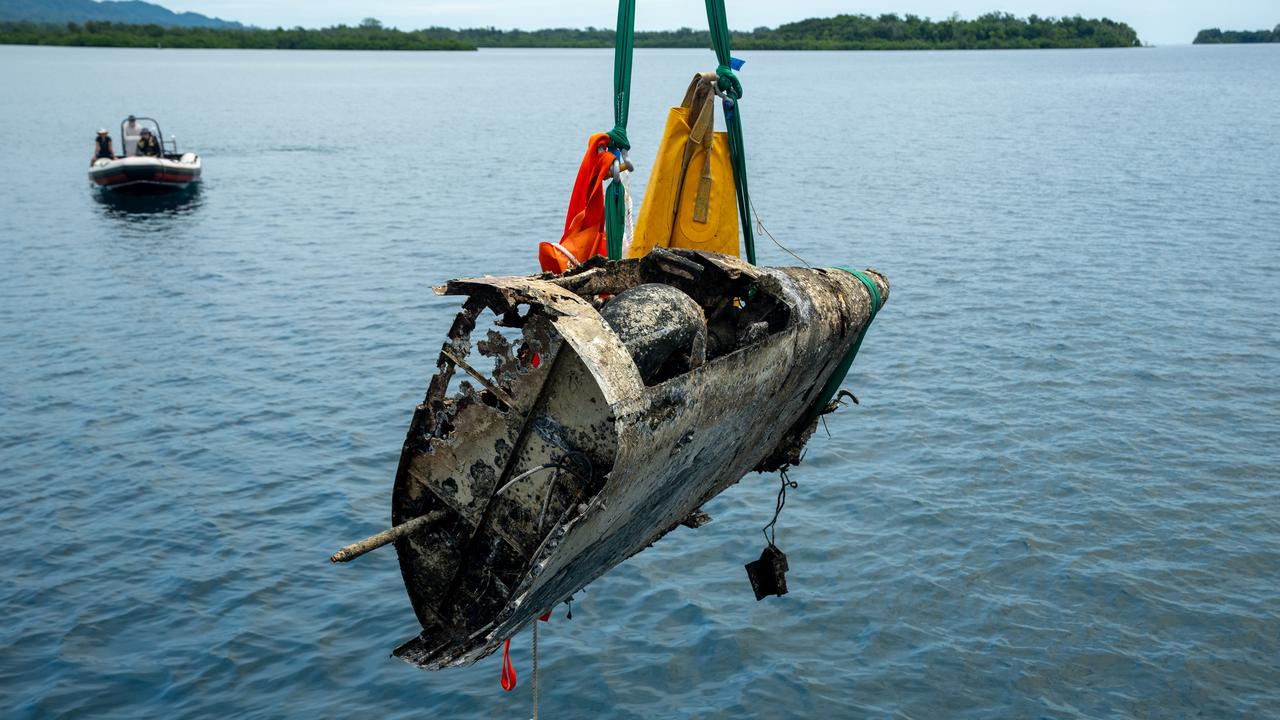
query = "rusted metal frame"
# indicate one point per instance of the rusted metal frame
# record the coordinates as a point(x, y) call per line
point(793, 440)
point(465, 551)
point(499, 294)
point(502, 624)
point(798, 307)
point(495, 345)
point(498, 392)
point(600, 281)
point(612, 277)
point(530, 583)
point(460, 331)
point(437, 406)
point(497, 624)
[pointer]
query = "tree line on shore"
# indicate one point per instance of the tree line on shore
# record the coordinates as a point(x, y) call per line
point(366, 36)
point(1214, 36)
point(842, 32)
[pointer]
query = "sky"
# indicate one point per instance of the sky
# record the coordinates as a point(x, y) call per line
point(1158, 22)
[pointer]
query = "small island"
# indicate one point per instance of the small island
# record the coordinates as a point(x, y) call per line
point(993, 31)
point(1214, 36)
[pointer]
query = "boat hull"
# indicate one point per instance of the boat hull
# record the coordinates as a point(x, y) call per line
point(146, 175)
point(624, 458)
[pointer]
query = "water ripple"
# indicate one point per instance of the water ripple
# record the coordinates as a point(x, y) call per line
point(1058, 497)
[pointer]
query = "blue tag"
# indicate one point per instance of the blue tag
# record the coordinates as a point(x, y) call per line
point(736, 64)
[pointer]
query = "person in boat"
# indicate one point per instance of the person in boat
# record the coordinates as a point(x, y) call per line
point(131, 134)
point(148, 146)
point(102, 147)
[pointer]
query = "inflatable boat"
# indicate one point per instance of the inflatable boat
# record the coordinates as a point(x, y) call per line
point(135, 174)
point(146, 175)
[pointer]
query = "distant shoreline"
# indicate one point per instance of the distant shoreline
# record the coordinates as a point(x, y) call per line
point(993, 31)
point(1214, 36)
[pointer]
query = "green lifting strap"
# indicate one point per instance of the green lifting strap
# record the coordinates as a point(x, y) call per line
point(615, 201)
point(833, 384)
point(732, 87)
point(623, 49)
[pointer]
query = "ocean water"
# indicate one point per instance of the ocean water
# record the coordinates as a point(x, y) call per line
point(1060, 496)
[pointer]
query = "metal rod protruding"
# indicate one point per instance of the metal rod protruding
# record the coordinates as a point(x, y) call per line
point(386, 537)
point(497, 391)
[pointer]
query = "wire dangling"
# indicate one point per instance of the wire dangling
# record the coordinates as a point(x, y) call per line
point(770, 530)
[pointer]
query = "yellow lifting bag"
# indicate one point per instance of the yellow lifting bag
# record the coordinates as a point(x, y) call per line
point(690, 201)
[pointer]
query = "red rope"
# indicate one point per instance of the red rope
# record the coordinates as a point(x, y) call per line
point(508, 671)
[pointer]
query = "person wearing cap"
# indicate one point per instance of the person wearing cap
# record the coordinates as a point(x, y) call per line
point(131, 134)
point(102, 147)
point(148, 146)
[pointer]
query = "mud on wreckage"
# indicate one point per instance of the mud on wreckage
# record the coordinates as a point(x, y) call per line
point(623, 395)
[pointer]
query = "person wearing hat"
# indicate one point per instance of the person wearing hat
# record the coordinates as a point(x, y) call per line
point(131, 134)
point(148, 146)
point(102, 147)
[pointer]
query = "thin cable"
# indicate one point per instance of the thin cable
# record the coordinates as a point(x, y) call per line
point(770, 530)
point(763, 229)
point(523, 475)
point(546, 499)
point(562, 464)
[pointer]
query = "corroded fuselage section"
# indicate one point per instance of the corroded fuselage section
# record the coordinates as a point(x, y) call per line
point(592, 431)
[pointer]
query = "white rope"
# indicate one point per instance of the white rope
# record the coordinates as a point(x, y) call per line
point(629, 227)
point(565, 252)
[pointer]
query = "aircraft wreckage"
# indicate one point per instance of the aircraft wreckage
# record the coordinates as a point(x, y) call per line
point(624, 395)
